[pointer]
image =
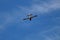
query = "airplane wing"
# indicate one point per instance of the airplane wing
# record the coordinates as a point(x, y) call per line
point(25, 18)
point(34, 16)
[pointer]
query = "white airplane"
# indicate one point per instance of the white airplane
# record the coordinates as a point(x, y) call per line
point(30, 16)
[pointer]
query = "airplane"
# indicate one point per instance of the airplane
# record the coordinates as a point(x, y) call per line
point(30, 16)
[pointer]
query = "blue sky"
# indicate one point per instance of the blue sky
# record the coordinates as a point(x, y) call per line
point(44, 27)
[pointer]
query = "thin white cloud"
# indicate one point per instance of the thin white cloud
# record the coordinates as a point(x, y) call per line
point(43, 7)
point(7, 19)
point(46, 6)
point(47, 35)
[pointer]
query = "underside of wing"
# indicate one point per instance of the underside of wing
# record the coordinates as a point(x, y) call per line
point(34, 16)
point(25, 18)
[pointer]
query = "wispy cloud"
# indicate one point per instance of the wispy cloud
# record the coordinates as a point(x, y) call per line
point(53, 34)
point(47, 7)
point(7, 19)
point(43, 7)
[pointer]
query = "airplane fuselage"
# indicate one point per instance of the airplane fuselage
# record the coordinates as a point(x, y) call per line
point(30, 17)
